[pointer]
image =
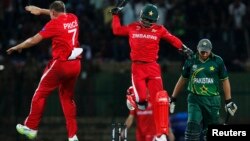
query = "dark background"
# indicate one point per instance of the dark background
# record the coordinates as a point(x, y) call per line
point(105, 76)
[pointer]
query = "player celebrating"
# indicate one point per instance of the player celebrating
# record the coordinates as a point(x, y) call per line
point(61, 72)
point(144, 37)
point(204, 72)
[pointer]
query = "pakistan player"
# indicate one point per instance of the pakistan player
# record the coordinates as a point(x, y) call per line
point(203, 72)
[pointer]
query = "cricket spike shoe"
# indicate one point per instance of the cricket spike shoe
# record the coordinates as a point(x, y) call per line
point(24, 130)
point(74, 138)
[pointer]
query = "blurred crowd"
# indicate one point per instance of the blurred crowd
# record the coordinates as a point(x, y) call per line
point(225, 22)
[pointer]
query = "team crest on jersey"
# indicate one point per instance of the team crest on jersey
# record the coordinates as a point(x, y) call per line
point(194, 67)
point(211, 68)
point(138, 27)
point(153, 30)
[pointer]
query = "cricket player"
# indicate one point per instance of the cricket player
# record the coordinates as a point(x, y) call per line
point(204, 72)
point(61, 72)
point(144, 37)
point(145, 126)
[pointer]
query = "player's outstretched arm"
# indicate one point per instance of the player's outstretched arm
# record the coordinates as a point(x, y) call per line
point(25, 44)
point(36, 10)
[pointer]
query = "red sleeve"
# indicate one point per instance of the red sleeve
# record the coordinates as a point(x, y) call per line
point(173, 40)
point(132, 112)
point(48, 30)
point(118, 29)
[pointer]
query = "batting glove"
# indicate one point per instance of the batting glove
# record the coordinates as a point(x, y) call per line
point(172, 104)
point(131, 104)
point(230, 107)
point(120, 4)
point(186, 51)
point(116, 10)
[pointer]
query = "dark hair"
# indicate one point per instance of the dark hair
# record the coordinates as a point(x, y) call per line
point(58, 6)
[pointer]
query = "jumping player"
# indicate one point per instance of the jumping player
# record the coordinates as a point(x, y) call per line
point(144, 37)
point(61, 72)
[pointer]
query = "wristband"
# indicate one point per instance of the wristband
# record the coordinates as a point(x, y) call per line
point(173, 99)
point(228, 101)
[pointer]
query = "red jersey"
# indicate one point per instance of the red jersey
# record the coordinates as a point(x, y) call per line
point(64, 32)
point(144, 120)
point(144, 42)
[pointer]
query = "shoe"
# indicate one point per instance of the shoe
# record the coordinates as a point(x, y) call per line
point(163, 137)
point(74, 138)
point(24, 130)
point(131, 104)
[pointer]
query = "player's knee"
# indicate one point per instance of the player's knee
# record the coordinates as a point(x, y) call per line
point(192, 132)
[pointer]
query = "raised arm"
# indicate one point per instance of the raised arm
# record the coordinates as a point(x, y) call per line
point(117, 28)
point(37, 10)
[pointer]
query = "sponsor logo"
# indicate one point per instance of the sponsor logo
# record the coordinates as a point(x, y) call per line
point(144, 36)
point(203, 80)
point(145, 112)
point(163, 100)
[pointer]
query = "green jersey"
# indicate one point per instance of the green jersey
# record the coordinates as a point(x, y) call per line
point(204, 76)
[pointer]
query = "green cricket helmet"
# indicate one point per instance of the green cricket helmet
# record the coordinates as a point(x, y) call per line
point(149, 14)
